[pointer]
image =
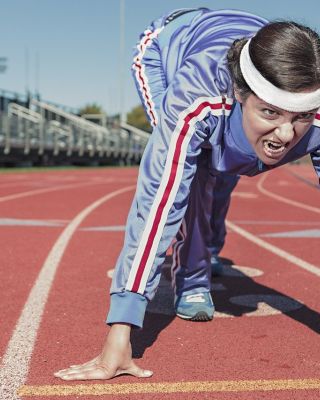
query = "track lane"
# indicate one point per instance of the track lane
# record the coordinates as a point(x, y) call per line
point(269, 210)
point(81, 284)
point(19, 195)
point(305, 173)
point(285, 199)
point(15, 362)
point(292, 190)
point(260, 352)
point(21, 257)
point(274, 347)
point(20, 244)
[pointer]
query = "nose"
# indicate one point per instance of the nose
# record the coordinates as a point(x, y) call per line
point(285, 132)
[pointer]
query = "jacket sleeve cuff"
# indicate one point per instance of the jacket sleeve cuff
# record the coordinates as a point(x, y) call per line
point(127, 307)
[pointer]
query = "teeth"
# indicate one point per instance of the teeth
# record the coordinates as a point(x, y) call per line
point(273, 146)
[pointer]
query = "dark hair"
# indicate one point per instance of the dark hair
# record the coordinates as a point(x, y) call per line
point(287, 54)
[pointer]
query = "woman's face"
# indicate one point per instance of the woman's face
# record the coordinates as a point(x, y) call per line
point(271, 131)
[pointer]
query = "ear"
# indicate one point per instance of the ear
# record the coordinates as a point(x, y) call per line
point(237, 94)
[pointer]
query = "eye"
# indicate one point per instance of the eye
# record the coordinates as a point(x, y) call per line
point(269, 112)
point(306, 116)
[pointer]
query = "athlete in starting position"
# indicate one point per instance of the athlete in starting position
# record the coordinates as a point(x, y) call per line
point(228, 94)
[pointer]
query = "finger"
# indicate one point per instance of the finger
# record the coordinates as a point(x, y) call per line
point(80, 369)
point(136, 371)
point(61, 371)
point(78, 366)
point(97, 373)
point(91, 362)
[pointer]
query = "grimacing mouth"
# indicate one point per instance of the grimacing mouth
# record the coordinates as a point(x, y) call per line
point(274, 149)
point(274, 145)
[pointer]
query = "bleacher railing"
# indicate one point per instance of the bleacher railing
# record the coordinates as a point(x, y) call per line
point(44, 128)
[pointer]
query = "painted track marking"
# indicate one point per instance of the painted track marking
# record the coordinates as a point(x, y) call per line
point(29, 222)
point(257, 222)
point(274, 249)
point(40, 191)
point(15, 362)
point(170, 387)
point(284, 199)
point(303, 179)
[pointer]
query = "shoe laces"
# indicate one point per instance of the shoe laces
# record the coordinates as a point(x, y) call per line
point(215, 259)
point(195, 298)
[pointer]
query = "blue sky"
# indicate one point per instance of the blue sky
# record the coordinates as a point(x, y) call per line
point(77, 43)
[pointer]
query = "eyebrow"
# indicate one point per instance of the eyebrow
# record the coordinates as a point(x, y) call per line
point(264, 103)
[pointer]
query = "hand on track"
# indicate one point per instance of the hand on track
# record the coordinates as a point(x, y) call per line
point(115, 359)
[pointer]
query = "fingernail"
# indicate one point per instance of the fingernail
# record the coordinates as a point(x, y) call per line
point(148, 373)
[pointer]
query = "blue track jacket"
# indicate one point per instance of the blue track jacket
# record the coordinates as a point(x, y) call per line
point(192, 108)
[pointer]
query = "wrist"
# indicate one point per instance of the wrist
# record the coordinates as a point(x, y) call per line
point(120, 331)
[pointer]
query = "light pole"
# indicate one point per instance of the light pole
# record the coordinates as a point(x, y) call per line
point(3, 68)
point(36, 76)
point(26, 60)
point(122, 57)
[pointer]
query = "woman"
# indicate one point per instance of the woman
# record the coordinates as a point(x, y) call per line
point(231, 94)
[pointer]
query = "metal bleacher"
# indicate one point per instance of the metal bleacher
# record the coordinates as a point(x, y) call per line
point(39, 133)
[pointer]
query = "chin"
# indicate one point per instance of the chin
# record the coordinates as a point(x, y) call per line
point(271, 162)
point(268, 160)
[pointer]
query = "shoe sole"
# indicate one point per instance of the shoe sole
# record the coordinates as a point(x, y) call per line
point(201, 316)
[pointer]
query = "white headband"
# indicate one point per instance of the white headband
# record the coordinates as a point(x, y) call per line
point(290, 101)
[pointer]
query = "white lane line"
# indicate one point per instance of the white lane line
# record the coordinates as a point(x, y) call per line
point(52, 189)
point(29, 222)
point(115, 228)
point(264, 222)
point(15, 362)
point(304, 179)
point(41, 182)
point(274, 249)
point(306, 233)
point(4, 185)
point(284, 199)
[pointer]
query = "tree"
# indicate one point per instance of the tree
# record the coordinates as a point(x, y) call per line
point(92, 108)
point(137, 117)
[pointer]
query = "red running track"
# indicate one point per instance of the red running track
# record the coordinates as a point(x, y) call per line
point(267, 321)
